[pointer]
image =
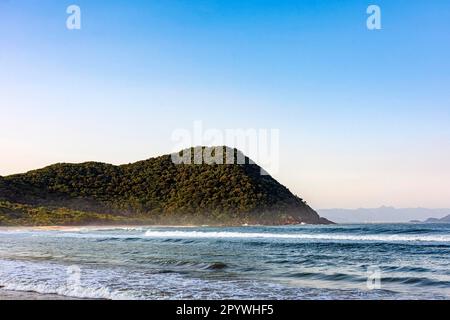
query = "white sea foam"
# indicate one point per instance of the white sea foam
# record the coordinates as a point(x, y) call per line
point(92, 229)
point(134, 233)
point(51, 278)
point(300, 236)
point(77, 292)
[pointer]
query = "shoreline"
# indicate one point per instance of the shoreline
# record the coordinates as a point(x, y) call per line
point(95, 227)
point(126, 226)
point(12, 295)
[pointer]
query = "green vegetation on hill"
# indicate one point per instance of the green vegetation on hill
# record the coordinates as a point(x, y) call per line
point(151, 191)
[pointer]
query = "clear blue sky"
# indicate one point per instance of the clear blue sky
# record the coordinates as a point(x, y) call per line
point(364, 116)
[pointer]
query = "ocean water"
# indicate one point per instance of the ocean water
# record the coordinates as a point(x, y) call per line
point(376, 261)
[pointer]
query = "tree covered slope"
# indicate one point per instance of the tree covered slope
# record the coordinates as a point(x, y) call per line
point(151, 191)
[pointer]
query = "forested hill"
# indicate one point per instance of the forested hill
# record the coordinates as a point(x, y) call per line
point(151, 191)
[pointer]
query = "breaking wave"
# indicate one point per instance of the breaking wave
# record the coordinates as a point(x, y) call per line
point(80, 292)
point(323, 236)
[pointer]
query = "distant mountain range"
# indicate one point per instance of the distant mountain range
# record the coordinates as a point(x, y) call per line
point(154, 191)
point(445, 219)
point(382, 214)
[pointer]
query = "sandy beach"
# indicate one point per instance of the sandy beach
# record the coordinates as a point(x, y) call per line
point(26, 295)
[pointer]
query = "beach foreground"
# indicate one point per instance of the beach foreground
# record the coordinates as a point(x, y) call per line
point(334, 262)
point(25, 295)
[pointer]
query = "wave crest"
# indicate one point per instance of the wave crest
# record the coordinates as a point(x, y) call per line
point(298, 236)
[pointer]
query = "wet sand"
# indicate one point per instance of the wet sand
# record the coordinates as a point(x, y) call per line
point(25, 295)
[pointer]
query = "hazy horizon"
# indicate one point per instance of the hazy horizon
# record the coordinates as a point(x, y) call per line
point(382, 214)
